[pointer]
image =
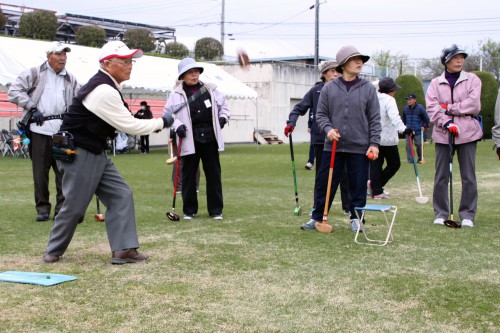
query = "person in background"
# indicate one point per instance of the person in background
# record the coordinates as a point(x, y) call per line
point(45, 92)
point(348, 112)
point(415, 117)
point(453, 100)
point(201, 113)
point(97, 112)
point(144, 113)
point(310, 103)
point(495, 131)
point(388, 150)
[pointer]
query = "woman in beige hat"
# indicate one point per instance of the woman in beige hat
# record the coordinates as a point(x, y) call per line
point(348, 112)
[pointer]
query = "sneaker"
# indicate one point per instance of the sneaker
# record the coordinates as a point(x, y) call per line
point(188, 216)
point(380, 196)
point(347, 212)
point(439, 221)
point(311, 225)
point(311, 212)
point(309, 166)
point(354, 225)
point(467, 223)
point(216, 216)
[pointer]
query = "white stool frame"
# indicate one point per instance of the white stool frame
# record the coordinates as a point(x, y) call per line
point(376, 208)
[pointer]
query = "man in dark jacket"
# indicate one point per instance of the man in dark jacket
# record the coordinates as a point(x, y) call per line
point(415, 117)
point(144, 113)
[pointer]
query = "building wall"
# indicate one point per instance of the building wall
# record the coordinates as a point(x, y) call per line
point(280, 87)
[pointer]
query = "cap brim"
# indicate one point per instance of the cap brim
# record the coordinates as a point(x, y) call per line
point(135, 54)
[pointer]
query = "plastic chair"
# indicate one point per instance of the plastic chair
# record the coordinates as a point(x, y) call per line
point(386, 211)
point(7, 143)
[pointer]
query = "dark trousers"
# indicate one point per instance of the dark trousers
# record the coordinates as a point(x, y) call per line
point(344, 184)
point(379, 176)
point(209, 155)
point(40, 149)
point(145, 143)
point(312, 152)
point(356, 166)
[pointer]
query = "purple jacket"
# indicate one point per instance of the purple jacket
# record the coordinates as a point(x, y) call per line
point(463, 103)
point(219, 109)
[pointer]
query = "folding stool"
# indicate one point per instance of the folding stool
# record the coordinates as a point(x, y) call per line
point(386, 210)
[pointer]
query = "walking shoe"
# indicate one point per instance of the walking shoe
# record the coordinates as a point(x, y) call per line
point(467, 223)
point(49, 258)
point(309, 166)
point(311, 212)
point(354, 225)
point(188, 216)
point(42, 217)
point(217, 216)
point(128, 256)
point(439, 221)
point(347, 212)
point(380, 196)
point(311, 225)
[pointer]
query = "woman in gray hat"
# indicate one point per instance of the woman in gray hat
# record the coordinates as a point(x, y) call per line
point(348, 112)
point(200, 112)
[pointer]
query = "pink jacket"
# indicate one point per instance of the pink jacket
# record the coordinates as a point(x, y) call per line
point(219, 109)
point(463, 104)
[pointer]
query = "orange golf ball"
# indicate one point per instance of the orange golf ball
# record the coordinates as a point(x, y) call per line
point(371, 155)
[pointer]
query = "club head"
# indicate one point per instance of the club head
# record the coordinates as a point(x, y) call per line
point(452, 224)
point(297, 211)
point(99, 217)
point(323, 227)
point(171, 160)
point(173, 216)
point(422, 200)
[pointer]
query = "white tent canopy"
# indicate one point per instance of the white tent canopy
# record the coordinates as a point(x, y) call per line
point(152, 73)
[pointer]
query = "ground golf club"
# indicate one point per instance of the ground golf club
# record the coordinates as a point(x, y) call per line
point(324, 226)
point(297, 211)
point(450, 222)
point(172, 158)
point(172, 216)
point(420, 199)
point(98, 217)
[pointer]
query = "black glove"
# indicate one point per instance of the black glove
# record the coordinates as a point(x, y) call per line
point(37, 116)
point(181, 131)
point(168, 120)
point(222, 122)
point(408, 131)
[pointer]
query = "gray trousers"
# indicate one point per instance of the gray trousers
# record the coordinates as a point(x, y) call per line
point(466, 154)
point(40, 150)
point(89, 174)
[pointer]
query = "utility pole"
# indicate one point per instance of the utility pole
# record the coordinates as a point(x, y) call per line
point(222, 34)
point(316, 35)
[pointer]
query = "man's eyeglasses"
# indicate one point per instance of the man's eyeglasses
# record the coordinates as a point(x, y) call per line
point(125, 62)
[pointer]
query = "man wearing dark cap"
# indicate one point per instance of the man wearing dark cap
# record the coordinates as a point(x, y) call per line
point(45, 93)
point(97, 112)
point(415, 117)
point(144, 113)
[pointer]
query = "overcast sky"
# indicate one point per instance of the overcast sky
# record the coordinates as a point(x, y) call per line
point(285, 28)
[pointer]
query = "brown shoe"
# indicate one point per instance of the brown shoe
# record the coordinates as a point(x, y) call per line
point(128, 256)
point(49, 258)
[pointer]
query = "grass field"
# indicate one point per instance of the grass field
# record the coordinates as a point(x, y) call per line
point(256, 271)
